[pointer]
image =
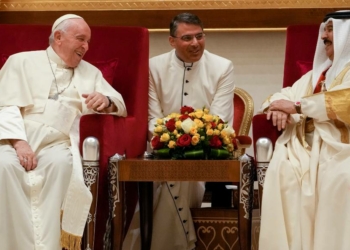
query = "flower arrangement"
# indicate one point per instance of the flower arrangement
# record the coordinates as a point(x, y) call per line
point(193, 134)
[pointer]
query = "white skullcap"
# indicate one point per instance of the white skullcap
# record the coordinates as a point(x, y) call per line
point(63, 18)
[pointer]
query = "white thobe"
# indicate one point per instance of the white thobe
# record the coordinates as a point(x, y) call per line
point(31, 205)
point(306, 200)
point(207, 83)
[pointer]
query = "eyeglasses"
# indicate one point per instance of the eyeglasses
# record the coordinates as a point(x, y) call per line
point(188, 38)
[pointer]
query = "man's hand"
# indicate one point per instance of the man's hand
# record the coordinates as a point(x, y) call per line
point(283, 105)
point(279, 111)
point(96, 101)
point(25, 154)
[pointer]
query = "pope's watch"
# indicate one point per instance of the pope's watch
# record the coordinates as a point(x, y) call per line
point(297, 106)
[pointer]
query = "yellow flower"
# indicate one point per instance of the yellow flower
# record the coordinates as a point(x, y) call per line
point(216, 118)
point(193, 131)
point(226, 140)
point(172, 115)
point(223, 133)
point(199, 123)
point(216, 132)
point(230, 147)
point(198, 113)
point(175, 132)
point(178, 124)
point(172, 144)
point(220, 126)
point(159, 121)
point(208, 126)
point(158, 129)
point(165, 137)
point(206, 111)
point(208, 118)
point(195, 140)
point(210, 132)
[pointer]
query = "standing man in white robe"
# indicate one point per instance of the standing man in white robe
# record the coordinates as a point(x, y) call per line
point(43, 200)
point(188, 75)
point(306, 200)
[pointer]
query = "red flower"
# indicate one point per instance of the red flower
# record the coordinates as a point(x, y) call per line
point(213, 125)
point(184, 140)
point(215, 142)
point(156, 143)
point(184, 117)
point(170, 125)
point(186, 110)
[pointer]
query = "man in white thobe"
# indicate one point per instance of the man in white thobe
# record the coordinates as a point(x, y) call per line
point(306, 201)
point(44, 202)
point(189, 75)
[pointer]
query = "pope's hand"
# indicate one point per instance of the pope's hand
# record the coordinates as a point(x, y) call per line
point(96, 101)
point(25, 154)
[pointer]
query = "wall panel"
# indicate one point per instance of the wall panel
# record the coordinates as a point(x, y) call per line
point(157, 14)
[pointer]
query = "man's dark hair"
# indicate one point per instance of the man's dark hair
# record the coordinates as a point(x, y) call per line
point(184, 18)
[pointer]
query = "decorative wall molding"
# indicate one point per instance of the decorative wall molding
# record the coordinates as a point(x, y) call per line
point(78, 5)
point(156, 14)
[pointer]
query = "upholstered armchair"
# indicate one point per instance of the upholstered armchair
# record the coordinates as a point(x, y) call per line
point(300, 48)
point(229, 228)
point(121, 53)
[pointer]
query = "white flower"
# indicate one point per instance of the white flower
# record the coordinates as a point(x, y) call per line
point(187, 124)
point(229, 131)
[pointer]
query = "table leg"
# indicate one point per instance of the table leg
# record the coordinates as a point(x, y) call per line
point(245, 204)
point(146, 213)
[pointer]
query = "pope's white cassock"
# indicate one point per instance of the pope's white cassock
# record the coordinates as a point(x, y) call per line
point(173, 84)
point(306, 200)
point(31, 203)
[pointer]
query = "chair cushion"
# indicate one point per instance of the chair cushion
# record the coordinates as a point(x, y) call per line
point(108, 68)
point(3, 59)
point(304, 67)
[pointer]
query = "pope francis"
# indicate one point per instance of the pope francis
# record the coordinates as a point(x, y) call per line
point(43, 200)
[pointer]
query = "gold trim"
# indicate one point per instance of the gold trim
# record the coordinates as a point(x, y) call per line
point(344, 133)
point(70, 241)
point(248, 112)
point(339, 78)
point(25, 5)
point(247, 116)
point(336, 105)
point(227, 30)
point(223, 220)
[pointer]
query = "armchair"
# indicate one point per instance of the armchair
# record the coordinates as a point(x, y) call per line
point(121, 53)
point(300, 49)
point(218, 228)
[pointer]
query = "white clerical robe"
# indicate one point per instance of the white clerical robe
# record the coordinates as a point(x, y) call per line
point(173, 84)
point(32, 202)
point(306, 200)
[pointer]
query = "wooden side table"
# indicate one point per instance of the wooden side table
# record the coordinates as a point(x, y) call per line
point(145, 171)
